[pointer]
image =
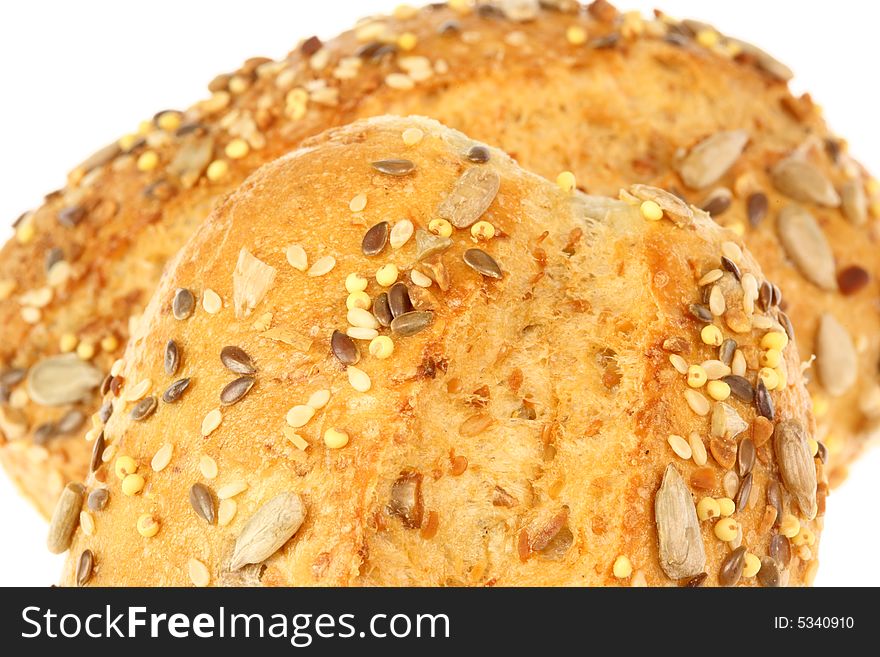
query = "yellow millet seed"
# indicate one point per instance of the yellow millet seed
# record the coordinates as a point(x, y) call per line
point(651, 211)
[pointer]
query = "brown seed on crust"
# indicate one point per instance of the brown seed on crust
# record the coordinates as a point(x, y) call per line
point(183, 304)
point(399, 301)
point(696, 581)
point(471, 196)
point(742, 495)
point(394, 167)
point(703, 478)
point(482, 262)
point(375, 239)
point(97, 451)
point(236, 360)
point(98, 499)
point(175, 390)
point(406, 499)
point(412, 322)
point(701, 312)
point(796, 465)
point(745, 457)
point(780, 550)
point(172, 358)
point(740, 387)
point(852, 279)
point(344, 348)
point(202, 500)
point(478, 154)
point(768, 576)
point(763, 403)
point(774, 499)
point(235, 390)
point(678, 528)
point(724, 451)
point(143, 409)
point(756, 208)
point(85, 566)
point(382, 309)
point(732, 567)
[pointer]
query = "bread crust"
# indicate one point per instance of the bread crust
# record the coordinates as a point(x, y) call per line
point(519, 439)
point(608, 109)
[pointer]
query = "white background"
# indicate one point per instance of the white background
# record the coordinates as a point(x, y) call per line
point(77, 75)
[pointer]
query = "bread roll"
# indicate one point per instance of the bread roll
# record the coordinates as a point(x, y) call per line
point(549, 406)
point(611, 97)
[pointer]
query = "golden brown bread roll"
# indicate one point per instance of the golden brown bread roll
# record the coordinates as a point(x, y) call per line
point(611, 97)
point(565, 383)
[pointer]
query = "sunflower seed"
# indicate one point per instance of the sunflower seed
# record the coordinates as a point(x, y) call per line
point(98, 499)
point(13, 377)
point(745, 457)
point(768, 576)
point(780, 550)
point(175, 390)
point(805, 243)
point(235, 390)
point(375, 239)
point(382, 309)
point(269, 528)
point(763, 402)
point(836, 357)
point(192, 159)
point(478, 154)
point(184, 303)
point(65, 518)
point(71, 216)
point(672, 206)
point(412, 322)
point(756, 208)
point(428, 244)
point(712, 158)
point(85, 567)
point(802, 181)
point(696, 581)
point(740, 388)
point(852, 279)
point(482, 262)
point(44, 432)
point(202, 500)
point(236, 360)
point(855, 202)
point(97, 451)
point(143, 409)
point(678, 529)
point(732, 267)
point(62, 380)
point(796, 465)
point(398, 299)
point(470, 197)
point(394, 167)
point(344, 348)
point(172, 358)
point(763, 60)
point(742, 495)
point(71, 421)
point(732, 567)
point(701, 312)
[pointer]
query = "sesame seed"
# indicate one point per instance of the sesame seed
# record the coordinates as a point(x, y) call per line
point(319, 399)
point(335, 439)
point(412, 136)
point(358, 203)
point(399, 81)
point(322, 266)
point(208, 467)
point(679, 363)
point(226, 511)
point(211, 421)
point(401, 233)
point(698, 449)
point(295, 439)
point(136, 392)
point(162, 457)
point(717, 304)
point(198, 573)
point(419, 279)
point(697, 402)
point(296, 257)
point(358, 379)
point(362, 318)
point(680, 446)
point(358, 333)
point(299, 416)
point(710, 277)
point(87, 523)
point(211, 302)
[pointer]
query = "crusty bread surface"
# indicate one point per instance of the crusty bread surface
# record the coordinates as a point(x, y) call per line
point(614, 98)
point(533, 425)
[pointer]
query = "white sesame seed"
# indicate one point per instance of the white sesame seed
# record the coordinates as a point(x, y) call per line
point(732, 251)
point(710, 277)
point(226, 511)
point(319, 399)
point(198, 573)
point(299, 416)
point(162, 457)
point(31, 315)
point(137, 391)
point(680, 446)
point(211, 422)
point(362, 318)
point(399, 81)
point(738, 363)
point(698, 403)
point(359, 333)
point(87, 523)
point(208, 467)
point(400, 233)
point(717, 304)
point(715, 369)
point(763, 322)
point(418, 278)
point(679, 363)
point(358, 203)
point(698, 449)
point(412, 136)
point(296, 257)
point(322, 266)
point(231, 490)
point(358, 379)
point(211, 302)
point(116, 367)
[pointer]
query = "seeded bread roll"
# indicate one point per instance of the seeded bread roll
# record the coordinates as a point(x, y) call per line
point(611, 97)
point(394, 358)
